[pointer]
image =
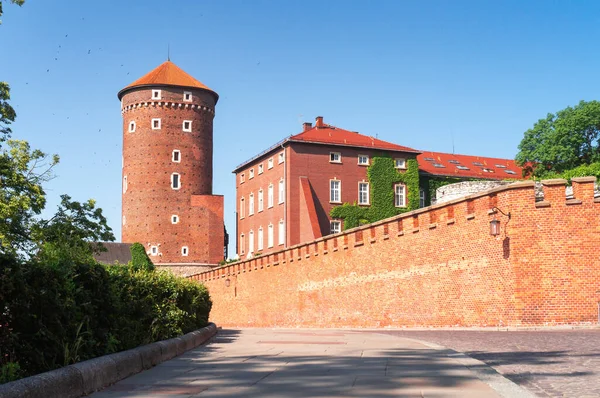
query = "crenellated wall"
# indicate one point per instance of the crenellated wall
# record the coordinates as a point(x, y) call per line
point(437, 266)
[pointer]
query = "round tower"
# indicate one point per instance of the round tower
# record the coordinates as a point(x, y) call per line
point(167, 165)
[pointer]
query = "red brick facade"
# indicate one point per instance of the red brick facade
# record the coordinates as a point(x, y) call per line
point(167, 131)
point(437, 266)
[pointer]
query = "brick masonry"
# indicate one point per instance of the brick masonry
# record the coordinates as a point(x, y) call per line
point(437, 266)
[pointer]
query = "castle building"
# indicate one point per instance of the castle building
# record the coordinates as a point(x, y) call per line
point(285, 194)
point(168, 203)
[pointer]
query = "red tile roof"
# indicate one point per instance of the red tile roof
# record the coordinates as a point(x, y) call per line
point(336, 136)
point(465, 166)
point(167, 74)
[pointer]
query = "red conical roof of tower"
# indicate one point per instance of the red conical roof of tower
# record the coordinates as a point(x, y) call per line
point(167, 74)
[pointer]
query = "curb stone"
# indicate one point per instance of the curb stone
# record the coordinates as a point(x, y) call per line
point(85, 377)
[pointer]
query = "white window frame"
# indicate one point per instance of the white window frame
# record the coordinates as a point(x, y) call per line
point(242, 243)
point(178, 181)
point(251, 241)
point(154, 250)
point(332, 199)
point(368, 201)
point(335, 157)
point(185, 251)
point(281, 233)
point(335, 227)
point(270, 163)
point(251, 173)
point(187, 93)
point(189, 128)
point(157, 119)
point(270, 236)
point(280, 158)
point(132, 126)
point(402, 162)
point(242, 207)
point(156, 94)
point(178, 152)
point(281, 192)
point(174, 219)
point(261, 200)
point(366, 162)
point(125, 183)
point(261, 240)
point(242, 178)
point(261, 168)
point(251, 204)
point(270, 196)
point(397, 196)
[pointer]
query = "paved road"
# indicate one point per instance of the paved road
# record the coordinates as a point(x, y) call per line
point(548, 363)
point(313, 363)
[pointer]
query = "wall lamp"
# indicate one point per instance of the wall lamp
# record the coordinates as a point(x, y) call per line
point(495, 224)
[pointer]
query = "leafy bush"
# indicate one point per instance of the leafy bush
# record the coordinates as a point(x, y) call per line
point(55, 315)
point(139, 258)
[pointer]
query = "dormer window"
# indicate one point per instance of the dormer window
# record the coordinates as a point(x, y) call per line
point(187, 126)
point(187, 96)
point(156, 95)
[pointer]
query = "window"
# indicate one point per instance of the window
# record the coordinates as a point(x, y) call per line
point(176, 156)
point(187, 96)
point(251, 242)
point(187, 126)
point(124, 220)
point(335, 157)
point(251, 173)
point(251, 205)
point(260, 200)
point(270, 236)
point(175, 182)
point(260, 168)
point(242, 208)
point(242, 244)
point(260, 239)
point(270, 163)
point(131, 127)
point(184, 250)
point(242, 178)
point(400, 163)
point(154, 250)
point(363, 160)
point(281, 191)
point(124, 184)
point(156, 94)
point(155, 124)
point(335, 187)
point(400, 195)
point(335, 227)
point(280, 158)
point(421, 198)
point(363, 193)
point(281, 232)
point(270, 196)
point(174, 219)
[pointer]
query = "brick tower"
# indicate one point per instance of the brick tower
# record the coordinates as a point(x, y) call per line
point(168, 204)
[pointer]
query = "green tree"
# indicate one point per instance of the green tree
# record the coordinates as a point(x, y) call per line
point(140, 259)
point(17, 2)
point(562, 141)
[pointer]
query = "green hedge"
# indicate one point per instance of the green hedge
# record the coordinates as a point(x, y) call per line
point(52, 316)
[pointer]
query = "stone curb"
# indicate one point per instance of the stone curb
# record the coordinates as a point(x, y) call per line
point(85, 377)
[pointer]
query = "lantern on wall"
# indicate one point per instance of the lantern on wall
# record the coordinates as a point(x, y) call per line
point(495, 224)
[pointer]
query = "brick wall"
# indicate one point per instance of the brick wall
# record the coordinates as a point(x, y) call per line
point(437, 266)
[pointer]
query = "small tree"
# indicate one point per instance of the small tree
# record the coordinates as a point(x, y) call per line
point(140, 259)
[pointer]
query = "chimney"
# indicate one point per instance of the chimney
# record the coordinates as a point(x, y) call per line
point(319, 122)
point(306, 126)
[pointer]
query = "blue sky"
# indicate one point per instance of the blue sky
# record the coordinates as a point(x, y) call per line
point(423, 74)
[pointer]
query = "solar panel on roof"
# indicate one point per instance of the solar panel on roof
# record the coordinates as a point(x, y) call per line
point(439, 166)
point(477, 164)
point(463, 168)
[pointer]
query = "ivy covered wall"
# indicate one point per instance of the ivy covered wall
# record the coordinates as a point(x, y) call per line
point(382, 176)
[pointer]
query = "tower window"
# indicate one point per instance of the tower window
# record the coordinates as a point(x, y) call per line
point(124, 184)
point(156, 124)
point(187, 126)
point(187, 96)
point(175, 181)
point(184, 251)
point(174, 219)
point(154, 250)
point(124, 220)
point(176, 156)
point(156, 94)
point(132, 127)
